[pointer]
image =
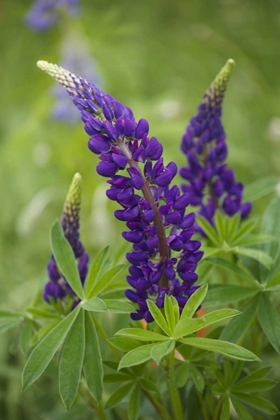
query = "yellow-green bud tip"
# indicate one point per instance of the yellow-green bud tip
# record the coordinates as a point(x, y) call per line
point(61, 75)
point(73, 199)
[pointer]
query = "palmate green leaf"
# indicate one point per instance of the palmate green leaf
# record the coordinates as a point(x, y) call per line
point(209, 251)
point(41, 313)
point(171, 311)
point(158, 317)
point(6, 323)
point(162, 349)
point(269, 319)
point(274, 281)
point(257, 386)
point(234, 268)
point(42, 332)
point(118, 306)
point(71, 361)
point(256, 254)
point(256, 240)
point(209, 230)
point(257, 375)
point(118, 396)
point(105, 281)
point(43, 353)
point(257, 402)
point(241, 411)
point(222, 347)
point(194, 302)
point(244, 230)
point(223, 294)
point(95, 270)
point(27, 334)
point(94, 304)
point(148, 385)
point(197, 378)
point(220, 223)
point(225, 413)
point(204, 271)
point(182, 374)
point(140, 334)
point(189, 326)
point(134, 404)
point(116, 377)
point(93, 368)
point(235, 329)
point(137, 356)
point(232, 226)
point(260, 188)
point(123, 344)
point(271, 226)
point(65, 259)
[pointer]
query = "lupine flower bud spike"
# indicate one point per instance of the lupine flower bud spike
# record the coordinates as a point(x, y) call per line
point(210, 183)
point(57, 287)
point(154, 211)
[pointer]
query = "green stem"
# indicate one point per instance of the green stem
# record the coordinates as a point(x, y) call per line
point(203, 408)
point(173, 392)
point(219, 407)
point(90, 401)
point(158, 406)
point(105, 336)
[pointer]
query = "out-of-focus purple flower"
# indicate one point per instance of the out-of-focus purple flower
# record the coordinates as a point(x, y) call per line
point(164, 257)
point(76, 56)
point(210, 183)
point(45, 13)
point(57, 287)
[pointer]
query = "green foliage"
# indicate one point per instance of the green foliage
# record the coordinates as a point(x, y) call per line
point(230, 236)
point(237, 279)
point(172, 333)
point(93, 368)
point(65, 259)
point(71, 361)
point(241, 391)
point(43, 353)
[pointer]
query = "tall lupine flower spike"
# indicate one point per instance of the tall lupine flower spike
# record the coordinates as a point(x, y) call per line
point(210, 183)
point(57, 287)
point(153, 211)
point(45, 13)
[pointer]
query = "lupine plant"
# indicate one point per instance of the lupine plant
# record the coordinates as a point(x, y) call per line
point(196, 258)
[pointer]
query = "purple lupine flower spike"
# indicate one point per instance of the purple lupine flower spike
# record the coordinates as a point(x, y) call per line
point(57, 287)
point(164, 257)
point(45, 13)
point(210, 183)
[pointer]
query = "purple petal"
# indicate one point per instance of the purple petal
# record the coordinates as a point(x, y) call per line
point(107, 169)
point(142, 128)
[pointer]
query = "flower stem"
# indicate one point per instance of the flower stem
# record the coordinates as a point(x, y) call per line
point(173, 392)
point(163, 248)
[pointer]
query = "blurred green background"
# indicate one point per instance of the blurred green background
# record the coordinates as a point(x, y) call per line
point(156, 56)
